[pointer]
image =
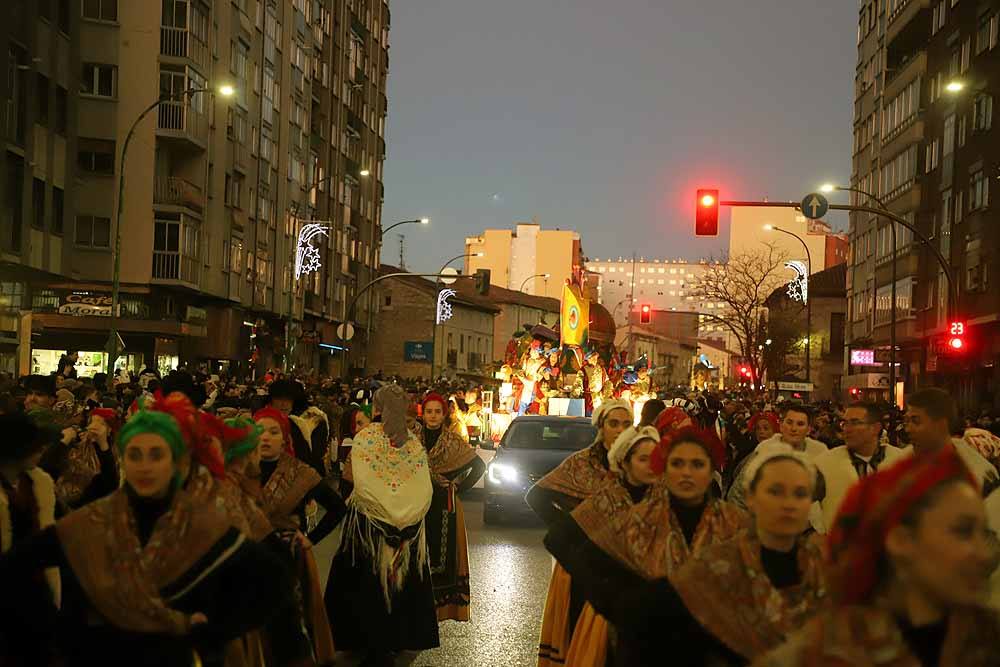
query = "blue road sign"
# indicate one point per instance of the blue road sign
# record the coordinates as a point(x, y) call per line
point(814, 206)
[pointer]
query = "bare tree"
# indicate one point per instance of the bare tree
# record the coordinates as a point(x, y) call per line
point(785, 332)
point(742, 284)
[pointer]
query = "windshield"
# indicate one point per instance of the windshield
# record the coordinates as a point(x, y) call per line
point(568, 435)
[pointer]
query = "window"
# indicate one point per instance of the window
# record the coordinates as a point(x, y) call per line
point(62, 111)
point(979, 191)
point(38, 203)
point(938, 17)
point(949, 136)
point(99, 80)
point(239, 55)
point(58, 210)
point(901, 108)
point(966, 54)
point(899, 172)
point(42, 95)
point(904, 301)
point(982, 113)
point(962, 127)
point(100, 10)
point(983, 34)
point(931, 155)
point(62, 17)
point(96, 156)
point(93, 231)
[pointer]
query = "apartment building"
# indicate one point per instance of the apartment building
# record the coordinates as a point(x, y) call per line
point(216, 187)
point(924, 147)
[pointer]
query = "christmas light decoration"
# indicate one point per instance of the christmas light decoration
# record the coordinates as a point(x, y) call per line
point(444, 311)
point(307, 257)
point(798, 287)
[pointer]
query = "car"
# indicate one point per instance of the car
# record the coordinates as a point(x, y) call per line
point(532, 446)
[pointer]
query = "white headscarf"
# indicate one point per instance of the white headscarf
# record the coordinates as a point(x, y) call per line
point(597, 418)
point(625, 441)
point(770, 450)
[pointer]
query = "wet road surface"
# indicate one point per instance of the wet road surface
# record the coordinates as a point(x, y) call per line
point(510, 572)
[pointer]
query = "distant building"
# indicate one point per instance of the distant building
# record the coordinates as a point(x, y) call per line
point(747, 234)
point(521, 258)
point(518, 310)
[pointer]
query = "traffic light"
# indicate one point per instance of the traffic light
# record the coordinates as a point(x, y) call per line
point(706, 219)
point(956, 337)
point(645, 313)
point(482, 278)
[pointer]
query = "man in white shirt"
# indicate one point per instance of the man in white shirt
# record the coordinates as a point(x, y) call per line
point(863, 454)
point(794, 431)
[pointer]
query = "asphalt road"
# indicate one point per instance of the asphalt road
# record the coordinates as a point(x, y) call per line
point(510, 571)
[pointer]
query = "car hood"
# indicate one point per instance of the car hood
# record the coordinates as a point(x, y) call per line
point(536, 462)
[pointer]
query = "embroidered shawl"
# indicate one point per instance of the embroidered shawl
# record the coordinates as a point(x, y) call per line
point(868, 636)
point(581, 474)
point(646, 536)
point(239, 494)
point(728, 592)
point(122, 578)
point(288, 485)
point(448, 454)
point(82, 466)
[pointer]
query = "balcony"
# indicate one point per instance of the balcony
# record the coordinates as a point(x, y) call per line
point(905, 11)
point(174, 191)
point(177, 120)
point(174, 267)
point(180, 43)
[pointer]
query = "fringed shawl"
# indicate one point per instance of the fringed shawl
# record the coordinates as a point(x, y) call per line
point(288, 485)
point(728, 592)
point(646, 536)
point(581, 474)
point(449, 453)
point(124, 580)
point(393, 491)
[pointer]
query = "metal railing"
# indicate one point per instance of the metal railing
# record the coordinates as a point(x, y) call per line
point(176, 116)
point(175, 266)
point(174, 191)
point(181, 43)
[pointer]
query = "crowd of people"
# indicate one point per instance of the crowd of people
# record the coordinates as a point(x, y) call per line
point(726, 533)
point(171, 520)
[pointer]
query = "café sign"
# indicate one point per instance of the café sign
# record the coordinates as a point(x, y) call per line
point(85, 304)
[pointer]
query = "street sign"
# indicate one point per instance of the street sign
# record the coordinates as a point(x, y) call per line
point(814, 206)
point(451, 272)
point(795, 386)
point(345, 331)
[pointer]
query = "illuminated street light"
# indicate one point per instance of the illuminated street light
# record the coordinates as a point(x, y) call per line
point(768, 227)
point(827, 188)
point(954, 87)
point(227, 90)
point(364, 172)
point(425, 221)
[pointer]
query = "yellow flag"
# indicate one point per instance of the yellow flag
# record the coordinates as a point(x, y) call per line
point(574, 320)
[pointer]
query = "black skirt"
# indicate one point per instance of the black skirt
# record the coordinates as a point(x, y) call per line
point(355, 604)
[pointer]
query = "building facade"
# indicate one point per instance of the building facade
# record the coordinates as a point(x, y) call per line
point(216, 188)
point(517, 311)
point(924, 146)
point(748, 233)
point(527, 258)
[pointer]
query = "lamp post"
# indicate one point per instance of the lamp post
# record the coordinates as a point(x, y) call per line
point(806, 296)
point(530, 278)
point(112, 345)
point(892, 294)
point(458, 257)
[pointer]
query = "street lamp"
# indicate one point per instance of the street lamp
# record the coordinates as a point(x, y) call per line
point(954, 87)
point(225, 90)
point(530, 278)
point(458, 257)
point(775, 228)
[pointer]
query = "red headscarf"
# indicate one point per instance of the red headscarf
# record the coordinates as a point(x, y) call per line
point(179, 406)
point(769, 416)
point(109, 416)
point(282, 419)
point(213, 427)
point(672, 419)
point(713, 446)
point(873, 507)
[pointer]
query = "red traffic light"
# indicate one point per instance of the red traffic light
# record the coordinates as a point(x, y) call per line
point(645, 313)
point(956, 336)
point(956, 343)
point(706, 220)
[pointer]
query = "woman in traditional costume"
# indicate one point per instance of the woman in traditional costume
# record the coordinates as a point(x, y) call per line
point(647, 526)
point(910, 558)
point(287, 486)
point(155, 570)
point(579, 476)
point(379, 595)
point(738, 598)
point(351, 422)
point(88, 469)
point(455, 467)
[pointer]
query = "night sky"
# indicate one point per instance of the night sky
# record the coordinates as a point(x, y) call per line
point(604, 117)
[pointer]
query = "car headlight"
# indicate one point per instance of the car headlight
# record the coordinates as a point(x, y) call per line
point(501, 472)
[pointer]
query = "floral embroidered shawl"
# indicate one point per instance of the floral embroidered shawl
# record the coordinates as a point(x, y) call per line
point(868, 636)
point(581, 474)
point(288, 485)
point(239, 495)
point(448, 454)
point(728, 592)
point(646, 536)
point(122, 578)
point(82, 466)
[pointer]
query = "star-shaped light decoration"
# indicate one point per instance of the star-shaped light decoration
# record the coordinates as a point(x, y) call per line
point(444, 311)
point(307, 257)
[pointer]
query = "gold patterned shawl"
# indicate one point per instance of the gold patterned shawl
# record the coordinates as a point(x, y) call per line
point(82, 466)
point(289, 483)
point(868, 636)
point(646, 536)
point(728, 592)
point(237, 494)
point(448, 454)
point(581, 474)
point(121, 577)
